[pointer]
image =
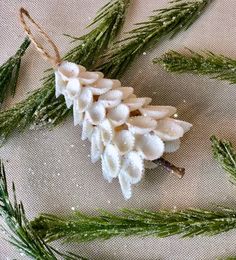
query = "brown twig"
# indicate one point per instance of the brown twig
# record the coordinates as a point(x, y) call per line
point(170, 167)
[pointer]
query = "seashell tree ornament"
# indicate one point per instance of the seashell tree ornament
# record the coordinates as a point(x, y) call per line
point(124, 130)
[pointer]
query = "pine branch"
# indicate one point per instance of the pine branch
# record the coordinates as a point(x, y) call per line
point(9, 72)
point(225, 154)
point(19, 231)
point(42, 107)
point(83, 228)
point(163, 23)
point(216, 66)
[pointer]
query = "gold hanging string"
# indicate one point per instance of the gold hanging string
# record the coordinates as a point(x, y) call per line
point(54, 60)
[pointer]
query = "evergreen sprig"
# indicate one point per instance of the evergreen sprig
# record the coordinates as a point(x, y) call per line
point(19, 231)
point(167, 22)
point(42, 107)
point(208, 63)
point(83, 228)
point(9, 71)
point(225, 154)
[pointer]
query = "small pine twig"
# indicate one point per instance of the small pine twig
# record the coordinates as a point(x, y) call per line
point(163, 23)
point(216, 66)
point(9, 72)
point(42, 108)
point(225, 154)
point(19, 231)
point(131, 222)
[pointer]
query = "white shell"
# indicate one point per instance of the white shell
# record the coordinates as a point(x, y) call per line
point(101, 86)
point(84, 101)
point(81, 68)
point(158, 112)
point(116, 83)
point(60, 84)
point(118, 115)
point(141, 124)
point(96, 113)
point(106, 131)
point(68, 70)
point(111, 162)
point(96, 145)
point(111, 99)
point(125, 186)
point(168, 130)
point(126, 91)
point(87, 130)
point(133, 167)
point(124, 141)
point(150, 146)
point(172, 146)
point(88, 77)
point(77, 116)
point(136, 103)
point(150, 165)
point(73, 88)
point(68, 100)
point(185, 125)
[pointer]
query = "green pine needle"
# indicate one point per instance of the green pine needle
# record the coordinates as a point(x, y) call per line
point(83, 228)
point(225, 154)
point(42, 107)
point(216, 66)
point(180, 15)
point(19, 231)
point(9, 72)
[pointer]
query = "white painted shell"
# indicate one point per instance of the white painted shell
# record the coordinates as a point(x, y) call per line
point(118, 115)
point(185, 125)
point(77, 116)
point(172, 146)
point(125, 185)
point(96, 113)
point(124, 141)
point(158, 112)
point(101, 86)
point(111, 99)
point(68, 100)
point(88, 77)
point(141, 124)
point(60, 84)
point(68, 70)
point(150, 146)
point(96, 145)
point(87, 130)
point(168, 130)
point(133, 167)
point(126, 91)
point(84, 100)
point(136, 103)
point(116, 83)
point(73, 88)
point(111, 162)
point(107, 131)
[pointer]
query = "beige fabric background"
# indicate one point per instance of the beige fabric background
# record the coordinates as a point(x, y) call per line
point(52, 170)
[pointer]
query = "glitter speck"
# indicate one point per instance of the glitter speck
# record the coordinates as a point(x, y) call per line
point(73, 208)
point(109, 202)
point(184, 101)
point(58, 174)
point(144, 53)
point(176, 115)
point(89, 18)
point(72, 145)
point(44, 163)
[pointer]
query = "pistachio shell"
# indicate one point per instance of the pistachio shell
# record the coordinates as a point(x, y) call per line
point(118, 115)
point(96, 145)
point(84, 101)
point(101, 86)
point(60, 84)
point(96, 113)
point(111, 99)
point(158, 112)
point(150, 146)
point(106, 131)
point(73, 88)
point(172, 146)
point(185, 125)
point(168, 130)
point(125, 186)
point(126, 91)
point(141, 124)
point(88, 77)
point(136, 103)
point(133, 167)
point(111, 162)
point(68, 70)
point(87, 130)
point(124, 141)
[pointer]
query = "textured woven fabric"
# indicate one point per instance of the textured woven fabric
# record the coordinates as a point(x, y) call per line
point(52, 169)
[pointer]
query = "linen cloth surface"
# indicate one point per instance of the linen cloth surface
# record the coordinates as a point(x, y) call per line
point(52, 169)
